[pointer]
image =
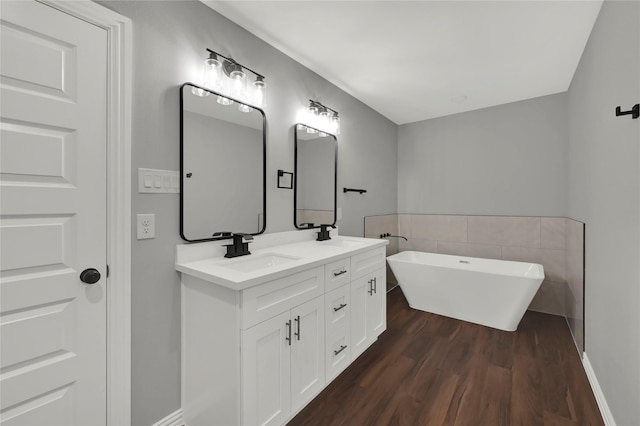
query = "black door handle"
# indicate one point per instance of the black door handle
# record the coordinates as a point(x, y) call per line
point(90, 276)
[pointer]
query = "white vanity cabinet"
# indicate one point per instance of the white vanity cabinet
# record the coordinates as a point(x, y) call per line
point(256, 352)
point(283, 364)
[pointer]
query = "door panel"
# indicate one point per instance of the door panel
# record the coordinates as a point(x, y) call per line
point(32, 242)
point(42, 154)
point(53, 210)
point(35, 334)
point(307, 352)
point(37, 61)
point(266, 378)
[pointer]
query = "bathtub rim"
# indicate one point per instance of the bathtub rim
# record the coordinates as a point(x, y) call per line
point(397, 257)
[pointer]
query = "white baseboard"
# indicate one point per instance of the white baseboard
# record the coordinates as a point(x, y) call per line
point(607, 416)
point(173, 419)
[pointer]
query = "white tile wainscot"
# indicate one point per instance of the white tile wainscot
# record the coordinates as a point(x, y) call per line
point(259, 343)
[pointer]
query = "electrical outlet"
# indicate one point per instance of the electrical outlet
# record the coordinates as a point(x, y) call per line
point(146, 226)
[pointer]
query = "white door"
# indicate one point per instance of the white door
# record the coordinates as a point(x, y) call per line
point(53, 217)
point(266, 375)
point(307, 352)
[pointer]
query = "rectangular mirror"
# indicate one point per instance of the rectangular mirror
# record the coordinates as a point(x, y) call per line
point(222, 166)
point(315, 176)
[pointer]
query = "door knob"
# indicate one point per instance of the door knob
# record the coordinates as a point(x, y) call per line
point(90, 276)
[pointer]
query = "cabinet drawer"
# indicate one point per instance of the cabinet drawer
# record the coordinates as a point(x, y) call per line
point(267, 300)
point(364, 263)
point(337, 308)
point(337, 273)
point(338, 353)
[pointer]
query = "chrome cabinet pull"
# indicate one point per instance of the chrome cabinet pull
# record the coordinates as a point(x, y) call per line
point(337, 274)
point(288, 338)
point(342, 305)
point(297, 320)
point(342, 348)
point(370, 291)
point(375, 285)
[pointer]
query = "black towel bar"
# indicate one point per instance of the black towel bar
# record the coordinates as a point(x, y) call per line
point(361, 191)
point(634, 111)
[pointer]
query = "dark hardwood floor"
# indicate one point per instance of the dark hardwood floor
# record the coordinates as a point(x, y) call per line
point(431, 370)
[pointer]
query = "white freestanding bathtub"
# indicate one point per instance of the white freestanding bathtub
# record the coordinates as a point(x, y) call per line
point(495, 293)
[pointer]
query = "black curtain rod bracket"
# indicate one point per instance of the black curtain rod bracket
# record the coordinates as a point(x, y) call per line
point(361, 191)
point(634, 111)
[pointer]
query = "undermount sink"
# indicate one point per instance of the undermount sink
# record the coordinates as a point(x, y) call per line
point(256, 262)
point(342, 242)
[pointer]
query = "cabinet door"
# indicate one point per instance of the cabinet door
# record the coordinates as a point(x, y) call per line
point(266, 374)
point(377, 304)
point(361, 290)
point(307, 352)
point(368, 310)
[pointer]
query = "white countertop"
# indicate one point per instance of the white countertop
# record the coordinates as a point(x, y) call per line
point(272, 262)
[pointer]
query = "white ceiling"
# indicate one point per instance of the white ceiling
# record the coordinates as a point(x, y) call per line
point(415, 60)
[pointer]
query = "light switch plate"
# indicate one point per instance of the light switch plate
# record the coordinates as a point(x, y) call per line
point(154, 181)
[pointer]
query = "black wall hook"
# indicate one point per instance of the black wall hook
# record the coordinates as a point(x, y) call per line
point(634, 112)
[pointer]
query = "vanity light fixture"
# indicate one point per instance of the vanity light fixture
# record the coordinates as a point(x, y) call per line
point(212, 71)
point(321, 119)
point(229, 79)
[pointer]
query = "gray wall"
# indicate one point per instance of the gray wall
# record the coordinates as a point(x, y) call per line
point(604, 192)
point(169, 41)
point(504, 160)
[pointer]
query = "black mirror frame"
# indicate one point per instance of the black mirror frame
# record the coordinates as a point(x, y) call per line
point(295, 178)
point(182, 170)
